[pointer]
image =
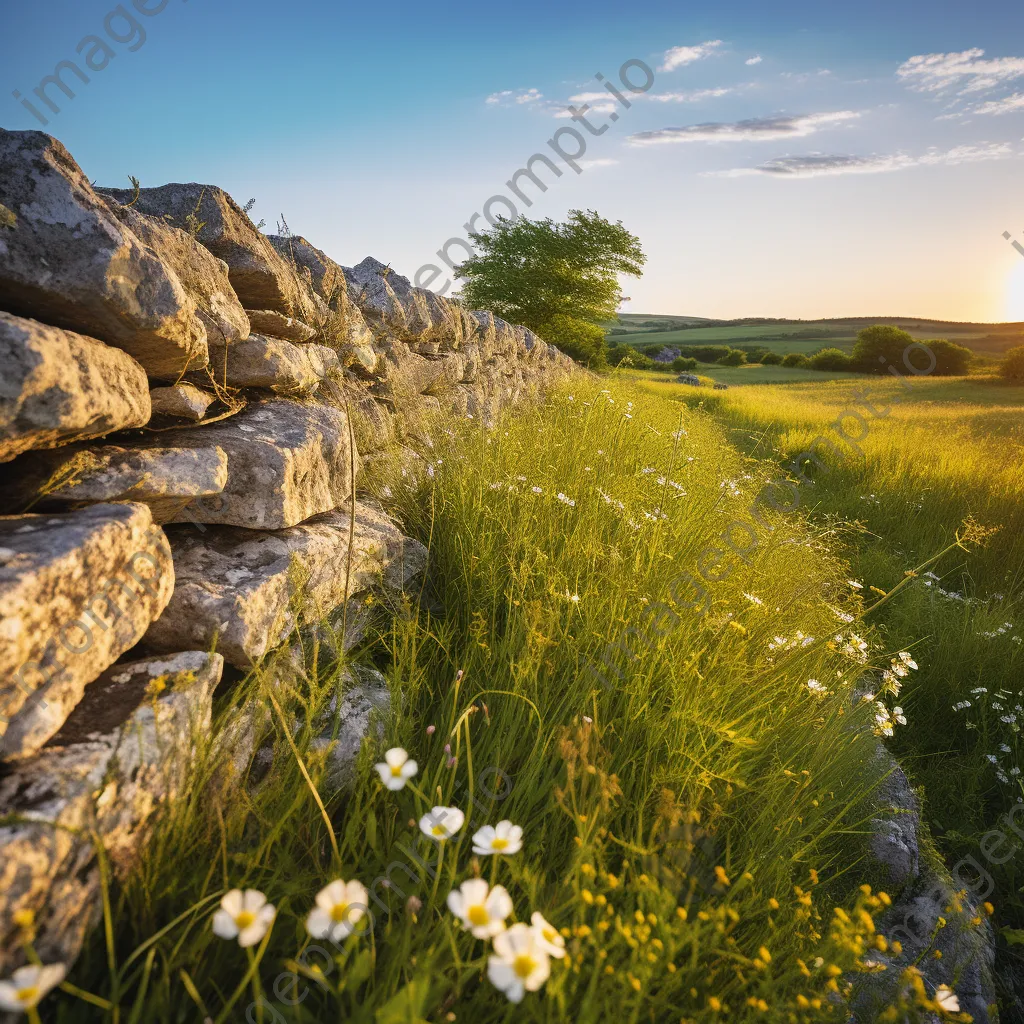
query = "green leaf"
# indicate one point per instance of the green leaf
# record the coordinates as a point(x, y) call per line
point(1014, 936)
point(407, 1005)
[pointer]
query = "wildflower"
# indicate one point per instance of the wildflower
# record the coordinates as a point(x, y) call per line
point(574, 598)
point(565, 500)
point(442, 823)
point(503, 838)
point(947, 1000)
point(547, 936)
point(906, 659)
point(397, 769)
point(817, 688)
point(481, 909)
point(431, 729)
point(753, 599)
point(28, 986)
point(855, 584)
point(338, 907)
point(537, 490)
point(519, 964)
point(246, 916)
point(898, 716)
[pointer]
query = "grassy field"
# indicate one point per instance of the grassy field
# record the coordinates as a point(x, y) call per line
point(692, 807)
point(755, 373)
point(946, 450)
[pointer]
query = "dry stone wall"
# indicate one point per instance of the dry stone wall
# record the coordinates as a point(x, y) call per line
point(190, 412)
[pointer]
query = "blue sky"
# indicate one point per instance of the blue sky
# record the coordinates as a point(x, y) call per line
point(794, 159)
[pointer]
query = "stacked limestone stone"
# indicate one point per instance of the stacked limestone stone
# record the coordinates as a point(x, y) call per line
point(186, 408)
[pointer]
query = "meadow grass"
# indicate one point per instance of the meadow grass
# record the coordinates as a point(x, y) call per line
point(693, 812)
point(947, 449)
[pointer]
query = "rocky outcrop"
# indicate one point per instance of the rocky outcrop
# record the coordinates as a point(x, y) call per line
point(275, 371)
point(69, 262)
point(76, 591)
point(58, 387)
point(127, 747)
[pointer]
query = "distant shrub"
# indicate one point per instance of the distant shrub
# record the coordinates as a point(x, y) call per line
point(683, 363)
point(625, 355)
point(881, 346)
point(755, 354)
point(831, 359)
point(581, 340)
point(1012, 366)
point(794, 359)
point(771, 359)
point(951, 360)
point(704, 353)
point(734, 357)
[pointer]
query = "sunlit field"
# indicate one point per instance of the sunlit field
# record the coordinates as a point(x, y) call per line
point(690, 789)
point(933, 454)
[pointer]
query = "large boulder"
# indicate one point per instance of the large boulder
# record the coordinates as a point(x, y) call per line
point(126, 748)
point(68, 261)
point(261, 278)
point(203, 276)
point(76, 592)
point(246, 591)
point(57, 387)
point(165, 479)
point(287, 461)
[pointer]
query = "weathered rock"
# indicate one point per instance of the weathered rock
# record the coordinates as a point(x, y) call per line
point(403, 374)
point(76, 591)
point(182, 400)
point(287, 461)
point(276, 364)
point(373, 424)
point(277, 325)
point(250, 589)
point(69, 261)
point(165, 479)
point(260, 277)
point(203, 276)
point(57, 387)
point(126, 748)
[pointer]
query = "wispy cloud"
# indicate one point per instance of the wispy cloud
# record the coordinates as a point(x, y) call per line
point(966, 72)
point(751, 61)
point(1006, 105)
point(602, 162)
point(681, 55)
point(694, 96)
point(515, 97)
point(805, 76)
point(752, 130)
point(820, 165)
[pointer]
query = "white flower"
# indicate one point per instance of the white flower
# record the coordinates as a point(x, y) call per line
point(537, 490)
point(946, 998)
point(907, 660)
point(501, 838)
point(442, 823)
point(246, 916)
point(29, 985)
point(338, 907)
point(397, 769)
point(547, 936)
point(565, 499)
point(520, 964)
point(855, 584)
point(481, 909)
point(898, 716)
point(818, 689)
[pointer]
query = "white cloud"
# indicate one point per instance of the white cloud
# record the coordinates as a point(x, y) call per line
point(602, 162)
point(820, 165)
point(681, 55)
point(694, 96)
point(1006, 105)
point(514, 97)
point(590, 97)
point(754, 60)
point(752, 130)
point(805, 76)
point(965, 71)
point(601, 108)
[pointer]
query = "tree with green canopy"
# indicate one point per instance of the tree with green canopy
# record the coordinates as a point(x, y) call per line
point(559, 279)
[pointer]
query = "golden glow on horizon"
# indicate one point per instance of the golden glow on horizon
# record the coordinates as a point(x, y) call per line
point(1015, 293)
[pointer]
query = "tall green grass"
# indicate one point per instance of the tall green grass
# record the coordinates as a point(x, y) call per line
point(693, 812)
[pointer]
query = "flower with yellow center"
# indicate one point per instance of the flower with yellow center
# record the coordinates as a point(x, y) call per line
point(28, 986)
point(504, 838)
point(396, 769)
point(442, 823)
point(547, 936)
point(947, 999)
point(519, 964)
point(246, 916)
point(480, 908)
point(339, 906)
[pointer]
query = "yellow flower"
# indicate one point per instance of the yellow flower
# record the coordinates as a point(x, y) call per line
point(722, 877)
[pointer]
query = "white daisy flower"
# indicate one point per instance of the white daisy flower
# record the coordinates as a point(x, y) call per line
point(547, 936)
point(519, 964)
point(503, 838)
point(442, 823)
point(397, 769)
point(897, 714)
point(907, 660)
point(28, 986)
point(246, 916)
point(338, 907)
point(946, 998)
point(481, 909)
